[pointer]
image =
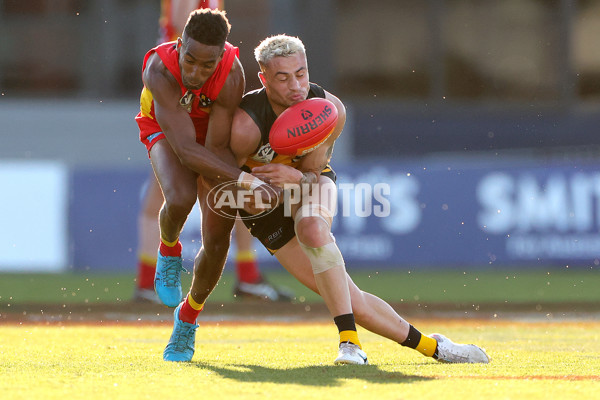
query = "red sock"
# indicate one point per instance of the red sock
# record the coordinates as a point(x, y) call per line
point(167, 251)
point(246, 267)
point(187, 313)
point(145, 272)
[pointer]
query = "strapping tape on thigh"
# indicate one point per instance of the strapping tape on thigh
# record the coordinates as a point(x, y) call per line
point(314, 210)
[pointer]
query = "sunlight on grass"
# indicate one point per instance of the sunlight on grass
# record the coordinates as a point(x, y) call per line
point(295, 361)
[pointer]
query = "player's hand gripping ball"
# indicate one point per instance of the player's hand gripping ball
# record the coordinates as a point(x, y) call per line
point(303, 127)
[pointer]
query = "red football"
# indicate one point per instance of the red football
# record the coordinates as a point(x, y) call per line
point(303, 127)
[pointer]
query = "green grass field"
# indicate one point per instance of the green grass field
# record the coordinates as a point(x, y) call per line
point(529, 361)
point(531, 358)
point(550, 286)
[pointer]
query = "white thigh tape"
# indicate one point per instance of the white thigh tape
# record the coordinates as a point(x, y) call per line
point(314, 210)
point(324, 257)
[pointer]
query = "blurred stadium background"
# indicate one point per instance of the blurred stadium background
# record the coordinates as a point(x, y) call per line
point(482, 116)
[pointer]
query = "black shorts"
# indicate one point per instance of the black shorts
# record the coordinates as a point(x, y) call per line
point(274, 229)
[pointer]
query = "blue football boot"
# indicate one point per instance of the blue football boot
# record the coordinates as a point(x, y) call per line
point(181, 344)
point(167, 280)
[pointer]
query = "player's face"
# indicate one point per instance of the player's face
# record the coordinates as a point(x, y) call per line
point(197, 62)
point(286, 80)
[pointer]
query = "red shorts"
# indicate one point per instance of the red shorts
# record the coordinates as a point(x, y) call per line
point(151, 132)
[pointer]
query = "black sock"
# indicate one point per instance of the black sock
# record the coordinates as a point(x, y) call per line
point(345, 322)
point(347, 329)
point(413, 338)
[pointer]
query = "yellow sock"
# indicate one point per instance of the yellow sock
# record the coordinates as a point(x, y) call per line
point(196, 306)
point(147, 259)
point(423, 344)
point(169, 244)
point(245, 255)
point(427, 346)
point(350, 336)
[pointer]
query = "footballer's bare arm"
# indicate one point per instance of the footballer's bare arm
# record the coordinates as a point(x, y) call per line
point(177, 125)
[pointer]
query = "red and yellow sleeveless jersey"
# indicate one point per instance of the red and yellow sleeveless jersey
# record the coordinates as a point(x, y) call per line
point(197, 102)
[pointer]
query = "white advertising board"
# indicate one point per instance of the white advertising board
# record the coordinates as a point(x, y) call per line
point(34, 216)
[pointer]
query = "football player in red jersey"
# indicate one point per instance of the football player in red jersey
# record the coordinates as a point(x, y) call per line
point(192, 88)
point(250, 283)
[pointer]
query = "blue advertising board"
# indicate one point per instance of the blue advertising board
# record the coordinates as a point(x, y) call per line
point(442, 212)
point(103, 210)
point(473, 213)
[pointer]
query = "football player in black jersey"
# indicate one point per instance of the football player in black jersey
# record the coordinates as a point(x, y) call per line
point(299, 235)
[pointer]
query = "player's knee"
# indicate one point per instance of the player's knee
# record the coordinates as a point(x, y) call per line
point(178, 210)
point(312, 224)
point(313, 232)
point(179, 205)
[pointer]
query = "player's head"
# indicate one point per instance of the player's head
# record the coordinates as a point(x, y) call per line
point(201, 45)
point(283, 69)
point(207, 26)
point(278, 46)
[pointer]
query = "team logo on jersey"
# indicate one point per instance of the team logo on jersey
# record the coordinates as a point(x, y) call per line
point(205, 101)
point(186, 101)
point(265, 154)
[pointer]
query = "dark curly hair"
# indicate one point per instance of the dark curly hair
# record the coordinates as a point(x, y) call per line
point(207, 26)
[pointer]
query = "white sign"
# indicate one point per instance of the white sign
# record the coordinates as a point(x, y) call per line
point(552, 217)
point(33, 221)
